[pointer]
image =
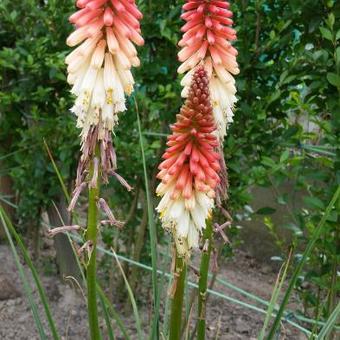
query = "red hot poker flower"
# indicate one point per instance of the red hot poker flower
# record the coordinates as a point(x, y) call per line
point(100, 67)
point(190, 170)
point(207, 33)
point(207, 41)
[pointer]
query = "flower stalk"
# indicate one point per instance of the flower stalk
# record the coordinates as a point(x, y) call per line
point(177, 300)
point(207, 43)
point(99, 70)
point(189, 177)
point(91, 235)
point(203, 279)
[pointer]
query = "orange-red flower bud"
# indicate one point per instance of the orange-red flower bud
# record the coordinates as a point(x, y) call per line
point(190, 170)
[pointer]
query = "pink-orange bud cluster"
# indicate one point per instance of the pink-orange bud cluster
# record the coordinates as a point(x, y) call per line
point(190, 159)
point(190, 169)
point(207, 33)
point(122, 15)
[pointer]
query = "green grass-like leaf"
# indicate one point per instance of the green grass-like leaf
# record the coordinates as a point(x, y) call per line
point(275, 295)
point(112, 312)
point(330, 323)
point(106, 317)
point(28, 291)
point(60, 178)
point(132, 298)
point(152, 234)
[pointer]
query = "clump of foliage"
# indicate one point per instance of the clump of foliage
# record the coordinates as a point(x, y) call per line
point(287, 125)
point(35, 101)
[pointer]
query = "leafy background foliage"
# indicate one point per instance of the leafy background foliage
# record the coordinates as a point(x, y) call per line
point(286, 125)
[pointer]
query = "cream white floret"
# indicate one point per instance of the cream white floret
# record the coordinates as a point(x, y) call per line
point(99, 72)
point(184, 218)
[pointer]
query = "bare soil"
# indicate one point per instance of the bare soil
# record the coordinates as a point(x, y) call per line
point(225, 320)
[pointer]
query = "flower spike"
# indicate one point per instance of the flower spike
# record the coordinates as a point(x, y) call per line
point(100, 67)
point(207, 41)
point(190, 168)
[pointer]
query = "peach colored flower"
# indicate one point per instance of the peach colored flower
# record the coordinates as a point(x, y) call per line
point(100, 67)
point(190, 170)
point(207, 41)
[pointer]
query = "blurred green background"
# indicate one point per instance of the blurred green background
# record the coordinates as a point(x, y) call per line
point(282, 150)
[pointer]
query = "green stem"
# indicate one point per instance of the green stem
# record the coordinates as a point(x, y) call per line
point(153, 235)
point(91, 235)
point(203, 280)
point(332, 296)
point(177, 300)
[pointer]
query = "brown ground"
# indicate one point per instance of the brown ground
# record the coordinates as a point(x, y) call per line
point(225, 320)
